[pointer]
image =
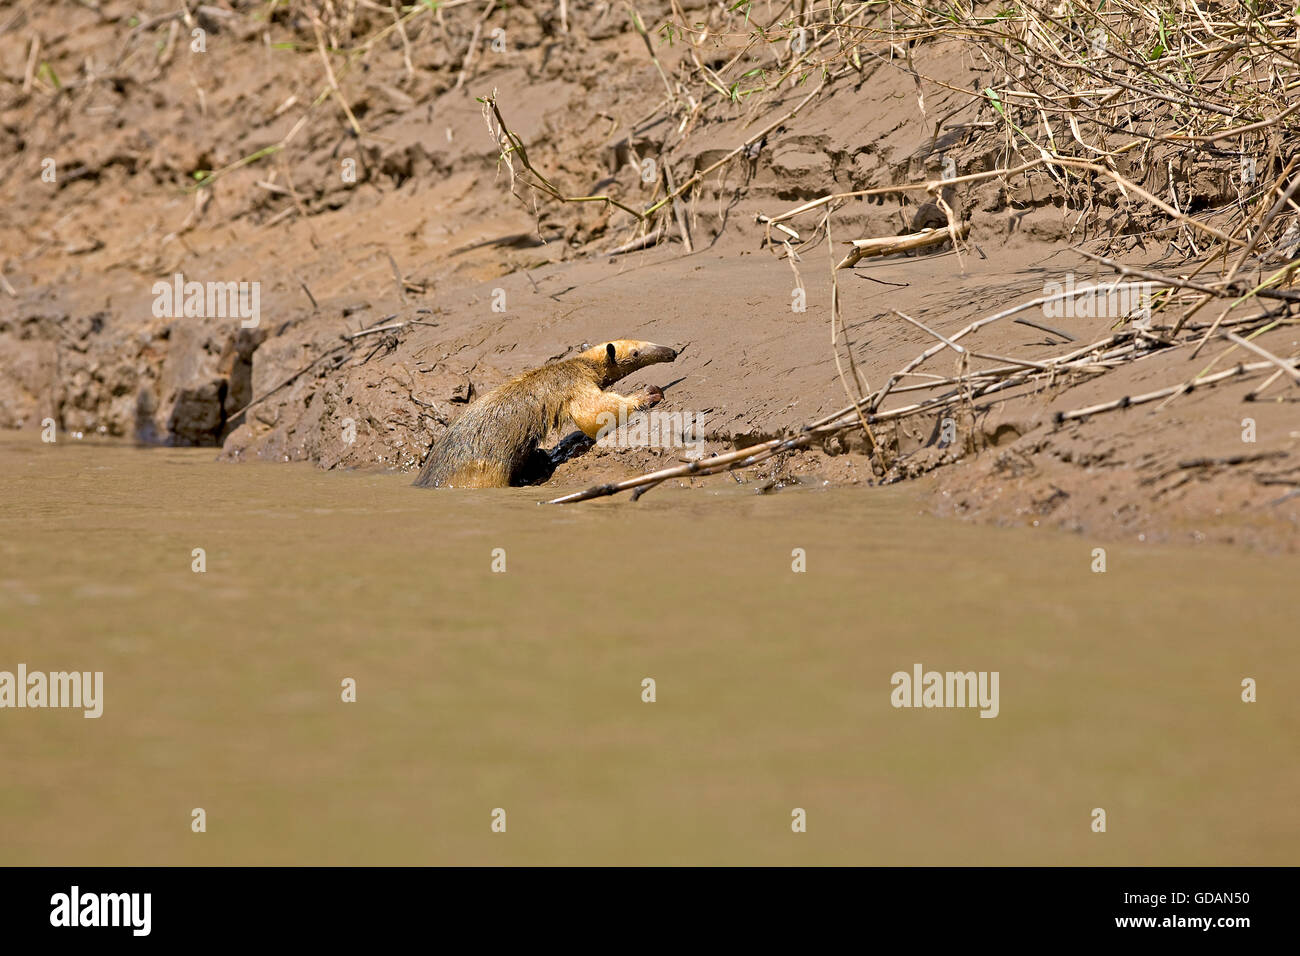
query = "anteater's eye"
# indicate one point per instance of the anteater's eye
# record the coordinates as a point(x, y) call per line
point(636, 352)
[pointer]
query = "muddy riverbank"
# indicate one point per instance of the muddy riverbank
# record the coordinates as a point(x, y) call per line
point(394, 214)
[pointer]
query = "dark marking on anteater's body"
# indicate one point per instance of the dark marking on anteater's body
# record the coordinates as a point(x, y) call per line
point(495, 443)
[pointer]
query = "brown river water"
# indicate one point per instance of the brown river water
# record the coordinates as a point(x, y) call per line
point(478, 690)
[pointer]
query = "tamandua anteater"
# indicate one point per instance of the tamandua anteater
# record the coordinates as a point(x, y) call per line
point(494, 443)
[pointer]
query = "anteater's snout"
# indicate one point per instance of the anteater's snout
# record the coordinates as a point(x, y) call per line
point(662, 353)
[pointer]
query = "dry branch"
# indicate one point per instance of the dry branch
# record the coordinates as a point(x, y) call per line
point(890, 245)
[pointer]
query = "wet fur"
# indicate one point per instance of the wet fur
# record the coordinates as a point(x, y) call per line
point(495, 443)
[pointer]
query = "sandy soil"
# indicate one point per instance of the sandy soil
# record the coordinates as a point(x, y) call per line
point(429, 235)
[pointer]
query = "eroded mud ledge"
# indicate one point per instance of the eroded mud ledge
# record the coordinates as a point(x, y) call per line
point(428, 237)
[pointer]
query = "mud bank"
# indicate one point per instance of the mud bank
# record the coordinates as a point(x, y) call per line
point(399, 277)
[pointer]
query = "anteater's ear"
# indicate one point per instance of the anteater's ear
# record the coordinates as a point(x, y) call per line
point(611, 352)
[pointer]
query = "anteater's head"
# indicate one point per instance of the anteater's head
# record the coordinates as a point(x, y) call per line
point(622, 357)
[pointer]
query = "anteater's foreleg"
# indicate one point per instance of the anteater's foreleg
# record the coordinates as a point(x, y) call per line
point(596, 411)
